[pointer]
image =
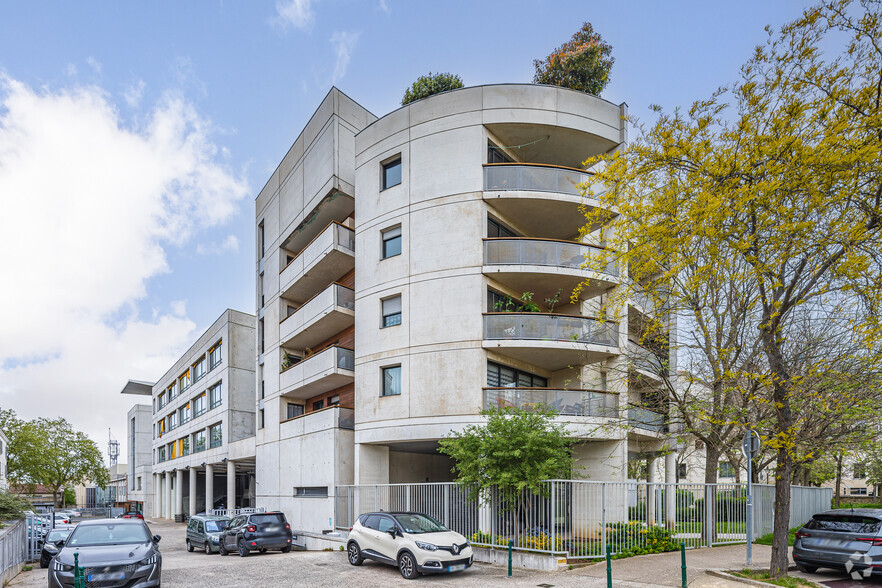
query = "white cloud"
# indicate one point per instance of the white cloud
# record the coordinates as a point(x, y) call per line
point(88, 207)
point(296, 13)
point(94, 64)
point(134, 93)
point(231, 243)
point(71, 70)
point(344, 43)
point(384, 7)
point(179, 307)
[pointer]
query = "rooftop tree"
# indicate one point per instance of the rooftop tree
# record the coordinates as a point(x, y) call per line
point(583, 63)
point(431, 84)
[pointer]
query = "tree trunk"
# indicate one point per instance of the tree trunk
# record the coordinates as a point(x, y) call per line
point(837, 496)
point(711, 464)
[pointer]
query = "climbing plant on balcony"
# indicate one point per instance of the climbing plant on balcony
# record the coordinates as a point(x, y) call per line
point(583, 63)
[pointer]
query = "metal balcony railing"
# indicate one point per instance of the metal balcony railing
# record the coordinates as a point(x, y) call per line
point(550, 327)
point(534, 178)
point(594, 403)
point(548, 252)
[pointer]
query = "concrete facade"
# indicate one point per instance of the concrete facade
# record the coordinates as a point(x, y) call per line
point(386, 250)
point(202, 424)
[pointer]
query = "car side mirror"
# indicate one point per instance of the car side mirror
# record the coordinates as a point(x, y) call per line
point(60, 543)
point(393, 532)
point(156, 538)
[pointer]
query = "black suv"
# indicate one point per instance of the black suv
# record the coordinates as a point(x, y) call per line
point(257, 531)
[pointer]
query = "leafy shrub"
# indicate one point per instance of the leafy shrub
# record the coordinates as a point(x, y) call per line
point(12, 506)
point(431, 84)
point(627, 539)
point(583, 63)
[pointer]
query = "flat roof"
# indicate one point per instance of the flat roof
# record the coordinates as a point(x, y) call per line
point(138, 387)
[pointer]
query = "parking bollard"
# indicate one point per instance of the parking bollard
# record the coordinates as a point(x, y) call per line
point(609, 566)
point(683, 564)
point(510, 545)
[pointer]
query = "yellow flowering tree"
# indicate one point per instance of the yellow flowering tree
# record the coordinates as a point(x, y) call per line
point(774, 182)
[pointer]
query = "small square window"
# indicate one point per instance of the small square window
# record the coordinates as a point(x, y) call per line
point(391, 381)
point(392, 173)
point(391, 311)
point(318, 405)
point(391, 242)
point(294, 410)
point(334, 400)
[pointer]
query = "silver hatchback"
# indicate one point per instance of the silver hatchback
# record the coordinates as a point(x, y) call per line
point(841, 539)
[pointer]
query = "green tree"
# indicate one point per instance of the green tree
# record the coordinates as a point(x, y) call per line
point(50, 452)
point(781, 174)
point(583, 63)
point(431, 84)
point(12, 506)
point(514, 453)
point(70, 497)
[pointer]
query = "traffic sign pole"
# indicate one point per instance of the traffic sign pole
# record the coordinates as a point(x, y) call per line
point(750, 444)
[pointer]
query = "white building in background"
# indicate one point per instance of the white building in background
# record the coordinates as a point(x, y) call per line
point(139, 423)
point(388, 251)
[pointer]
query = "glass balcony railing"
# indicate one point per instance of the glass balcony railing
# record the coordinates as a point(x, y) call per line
point(534, 178)
point(550, 327)
point(547, 252)
point(643, 418)
point(592, 403)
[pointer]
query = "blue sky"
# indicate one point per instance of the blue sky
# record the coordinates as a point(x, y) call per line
point(135, 136)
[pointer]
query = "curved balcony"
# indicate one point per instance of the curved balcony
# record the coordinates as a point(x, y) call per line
point(647, 420)
point(552, 341)
point(646, 361)
point(321, 372)
point(543, 266)
point(327, 257)
point(544, 198)
point(587, 403)
point(326, 314)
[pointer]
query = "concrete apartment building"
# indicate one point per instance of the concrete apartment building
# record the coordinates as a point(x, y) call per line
point(393, 253)
point(139, 424)
point(202, 424)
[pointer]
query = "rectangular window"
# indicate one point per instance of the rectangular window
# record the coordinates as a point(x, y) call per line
point(859, 470)
point(262, 424)
point(311, 491)
point(391, 381)
point(334, 400)
point(391, 242)
point(185, 446)
point(184, 380)
point(681, 472)
point(497, 302)
point(726, 470)
point(139, 482)
point(173, 450)
point(392, 173)
point(172, 390)
point(391, 311)
point(172, 421)
point(260, 336)
point(214, 395)
point(199, 405)
point(318, 405)
point(199, 369)
point(199, 441)
point(496, 230)
point(161, 400)
point(500, 376)
point(162, 453)
point(294, 410)
point(214, 356)
point(185, 413)
point(260, 290)
point(215, 435)
point(497, 155)
point(261, 246)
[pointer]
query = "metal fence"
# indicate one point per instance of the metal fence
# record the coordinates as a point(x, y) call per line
point(578, 518)
point(231, 512)
point(13, 549)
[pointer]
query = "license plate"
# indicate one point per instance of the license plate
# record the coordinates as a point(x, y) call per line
point(271, 528)
point(103, 577)
point(456, 568)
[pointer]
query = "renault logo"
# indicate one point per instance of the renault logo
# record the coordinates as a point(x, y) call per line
point(455, 549)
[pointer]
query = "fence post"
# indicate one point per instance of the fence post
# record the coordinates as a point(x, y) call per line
point(683, 565)
point(553, 518)
point(603, 513)
point(510, 544)
point(608, 566)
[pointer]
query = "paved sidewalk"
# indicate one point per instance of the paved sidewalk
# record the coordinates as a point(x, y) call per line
point(665, 568)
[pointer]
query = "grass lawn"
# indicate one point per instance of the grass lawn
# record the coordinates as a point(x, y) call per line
point(767, 538)
point(788, 582)
point(695, 527)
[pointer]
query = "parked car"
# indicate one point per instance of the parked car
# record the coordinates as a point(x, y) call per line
point(112, 551)
point(52, 545)
point(834, 538)
point(415, 543)
point(257, 531)
point(131, 514)
point(205, 531)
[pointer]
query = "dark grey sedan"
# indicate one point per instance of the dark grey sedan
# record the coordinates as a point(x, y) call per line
point(849, 540)
point(112, 552)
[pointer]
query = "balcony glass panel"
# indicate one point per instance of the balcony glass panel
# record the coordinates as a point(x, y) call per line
point(345, 297)
point(534, 178)
point(550, 327)
point(565, 402)
point(643, 418)
point(646, 360)
point(547, 253)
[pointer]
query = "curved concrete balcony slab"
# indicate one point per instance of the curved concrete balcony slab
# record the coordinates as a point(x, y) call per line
point(551, 341)
point(327, 257)
point(544, 266)
point(326, 314)
point(322, 372)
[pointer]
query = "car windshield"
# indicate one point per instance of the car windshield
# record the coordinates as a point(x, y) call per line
point(54, 536)
point(108, 534)
point(844, 523)
point(267, 519)
point(417, 523)
point(215, 526)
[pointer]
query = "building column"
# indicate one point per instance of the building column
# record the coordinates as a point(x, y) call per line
point(166, 496)
point(209, 488)
point(671, 489)
point(651, 489)
point(192, 505)
point(179, 492)
point(157, 496)
point(231, 484)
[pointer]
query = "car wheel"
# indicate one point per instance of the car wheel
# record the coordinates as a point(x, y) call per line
point(353, 552)
point(189, 546)
point(806, 569)
point(207, 548)
point(243, 549)
point(286, 549)
point(263, 549)
point(44, 564)
point(221, 549)
point(407, 566)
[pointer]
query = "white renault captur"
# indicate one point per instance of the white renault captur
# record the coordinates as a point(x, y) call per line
point(416, 543)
